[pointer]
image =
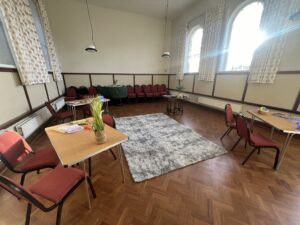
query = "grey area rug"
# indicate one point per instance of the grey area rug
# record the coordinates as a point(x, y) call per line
point(158, 144)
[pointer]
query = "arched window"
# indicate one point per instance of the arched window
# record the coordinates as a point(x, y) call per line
point(192, 56)
point(245, 37)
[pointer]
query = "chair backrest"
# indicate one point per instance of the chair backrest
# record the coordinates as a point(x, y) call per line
point(13, 148)
point(154, 88)
point(242, 127)
point(51, 109)
point(19, 191)
point(137, 89)
point(164, 88)
point(130, 89)
point(71, 92)
point(93, 91)
point(160, 88)
point(228, 115)
point(109, 120)
point(147, 88)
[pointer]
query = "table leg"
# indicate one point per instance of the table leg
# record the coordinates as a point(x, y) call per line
point(74, 112)
point(252, 123)
point(285, 146)
point(86, 185)
point(121, 161)
point(272, 132)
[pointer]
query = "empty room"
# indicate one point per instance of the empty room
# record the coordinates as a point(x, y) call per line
point(150, 112)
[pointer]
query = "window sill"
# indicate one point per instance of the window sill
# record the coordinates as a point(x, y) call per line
point(234, 72)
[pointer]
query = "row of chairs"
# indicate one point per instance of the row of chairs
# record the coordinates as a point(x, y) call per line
point(245, 131)
point(55, 186)
point(147, 91)
point(136, 92)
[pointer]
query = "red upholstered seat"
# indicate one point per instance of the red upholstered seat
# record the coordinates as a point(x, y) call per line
point(155, 91)
point(45, 157)
point(93, 91)
point(64, 114)
point(147, 89)
point(261, 141)
point(109, 120)
point(229, 120)
point(59, 116)
point(57, 183)
point(71, 94)
point(130, 92)
point(162, 89)
point(16, 155)
point(138, 91)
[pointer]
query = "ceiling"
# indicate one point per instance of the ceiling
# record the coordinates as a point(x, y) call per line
point(153, 8)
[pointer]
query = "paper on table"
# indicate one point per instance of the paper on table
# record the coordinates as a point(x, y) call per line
point(69, 129)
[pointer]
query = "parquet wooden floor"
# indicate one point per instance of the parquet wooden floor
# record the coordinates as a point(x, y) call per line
point(219, 191)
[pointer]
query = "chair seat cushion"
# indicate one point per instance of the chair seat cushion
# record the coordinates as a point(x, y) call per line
point(260, 141)
point(140, 94)
point(57, 183)
point(131, 95)
point(156, 94)
point(64, 114)
point(148, 94)
point(67, 98)
point(43, 158)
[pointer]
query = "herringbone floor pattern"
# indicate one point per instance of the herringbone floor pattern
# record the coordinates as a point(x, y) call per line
point(215, 192)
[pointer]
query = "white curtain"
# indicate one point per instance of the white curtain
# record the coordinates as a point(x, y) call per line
point(182, 39)
point(267, 57)
point(211, 42)
point(24, 41)
point(50, 43)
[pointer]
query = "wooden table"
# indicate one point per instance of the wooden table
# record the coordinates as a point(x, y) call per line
point(76, 103)
point(77, 147)
point(174, 104)
point(284, 125)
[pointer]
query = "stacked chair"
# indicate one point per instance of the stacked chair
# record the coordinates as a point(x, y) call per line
point(71, 94)
point(139, 92)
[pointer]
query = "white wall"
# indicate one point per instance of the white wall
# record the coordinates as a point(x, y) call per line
point(127, 42)
point(282, 93)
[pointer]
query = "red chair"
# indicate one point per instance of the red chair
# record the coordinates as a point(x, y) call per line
point(93, 91)
point(229, 120)
point(71, 94)
point(110, 121)
point(162, 89)
point(155, 91)
point(147, 89)
point(56, 186)
point(139, 92)
point(255, 140)
point(59, 116)
point(130, 92)
point(19, 157)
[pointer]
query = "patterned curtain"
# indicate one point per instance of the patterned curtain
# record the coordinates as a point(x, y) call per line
point(182, 39)
point(50, 43)
point(24, 41)
point(266, 59)
point(211, 42)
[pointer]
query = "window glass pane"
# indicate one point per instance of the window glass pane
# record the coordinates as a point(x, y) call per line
point(6, 57)
point(245, 37)
point(40, 31)
point(192, 58)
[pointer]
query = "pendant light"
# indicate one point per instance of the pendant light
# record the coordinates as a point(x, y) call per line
point(91, 48)
point(166, 54)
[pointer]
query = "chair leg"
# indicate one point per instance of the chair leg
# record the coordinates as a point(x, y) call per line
point(91, 187)
point(90, 167)
point(111, 151)
point(258, 151)
point(226, 132)
point(28, 213)
point(23, 179)
point(245, 144)
point(59, 210)
point(238, 141)
point(276, 158)
point(38, 172)
point(246, 159)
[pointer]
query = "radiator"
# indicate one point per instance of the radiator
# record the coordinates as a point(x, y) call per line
point(30, 124)
point(219, 104)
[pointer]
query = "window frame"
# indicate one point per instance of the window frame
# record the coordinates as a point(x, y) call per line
point(191, 32)
point(227, 36)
